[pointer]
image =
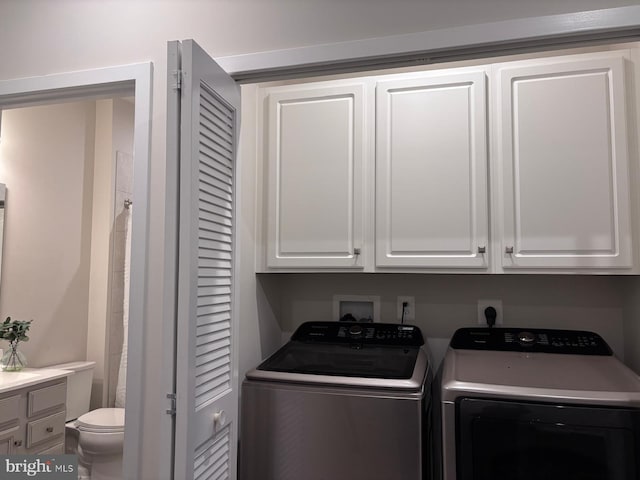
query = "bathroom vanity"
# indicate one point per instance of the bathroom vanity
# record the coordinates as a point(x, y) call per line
point(32, 411)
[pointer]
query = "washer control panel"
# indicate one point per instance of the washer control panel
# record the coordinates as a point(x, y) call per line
point(531, 340)
point(361, 333)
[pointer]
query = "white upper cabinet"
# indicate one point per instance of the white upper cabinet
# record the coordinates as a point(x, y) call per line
point(315, 148)
point(431, 171)
point(563, 167)
point(525, 166)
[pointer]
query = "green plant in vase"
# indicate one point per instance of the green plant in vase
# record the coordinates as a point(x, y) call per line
point(15, 331)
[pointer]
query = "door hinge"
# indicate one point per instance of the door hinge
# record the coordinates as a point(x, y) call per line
point(177, 80)
point(172, 398)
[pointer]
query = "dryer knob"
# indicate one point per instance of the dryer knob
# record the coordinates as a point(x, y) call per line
point(356, 331)
point(526, 338)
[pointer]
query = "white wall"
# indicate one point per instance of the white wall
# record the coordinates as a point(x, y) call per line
point(46, 161)
point(66, 35)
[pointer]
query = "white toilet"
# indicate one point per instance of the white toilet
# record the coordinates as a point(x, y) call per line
point(96, 436)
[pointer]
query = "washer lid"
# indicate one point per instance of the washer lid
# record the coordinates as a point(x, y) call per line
point(102, 420)
point(376, 355)
point(343, 366)
point(343, 360)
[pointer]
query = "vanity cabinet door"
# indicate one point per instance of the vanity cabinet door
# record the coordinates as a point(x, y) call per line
point(5, 445)
point(9, 442)
point(315, 151)
point(431, 171)
point(564, 168)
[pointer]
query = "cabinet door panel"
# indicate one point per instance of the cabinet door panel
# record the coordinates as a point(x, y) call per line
point(431, 176)
point(8, 441)
point(563, 146)
point(316, 142)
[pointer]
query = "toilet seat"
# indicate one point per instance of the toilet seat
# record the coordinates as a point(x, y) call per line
point(102, 420)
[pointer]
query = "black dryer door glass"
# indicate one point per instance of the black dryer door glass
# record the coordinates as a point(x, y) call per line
point(501, 440)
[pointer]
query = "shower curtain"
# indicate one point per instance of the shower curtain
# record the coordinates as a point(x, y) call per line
point(122, 372)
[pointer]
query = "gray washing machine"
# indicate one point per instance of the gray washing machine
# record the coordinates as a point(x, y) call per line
point(531, 404)
point(339, 401)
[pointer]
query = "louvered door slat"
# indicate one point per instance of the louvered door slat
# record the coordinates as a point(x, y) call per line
point(213, 356)
point(213, 222)
point(221, 345)
point(215, 186)
point(217, 296)
point(214, 243)
point(210, 331)
point(214, 169)
point(214, 138)
point(215, 200)
point(211, 459)
point(212, 142)
point(210, 389)
point(207, 151)
point(211, 205)
point(213, 263)
point(212, 282)
point(213, 252)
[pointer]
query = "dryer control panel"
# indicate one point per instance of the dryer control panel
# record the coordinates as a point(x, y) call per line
point(576, 342)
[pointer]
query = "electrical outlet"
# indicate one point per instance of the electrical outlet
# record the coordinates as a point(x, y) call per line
point(409, 310)
point(497, 304)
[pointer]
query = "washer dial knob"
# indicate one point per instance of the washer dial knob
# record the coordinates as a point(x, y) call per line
point(356, 331)
point(526, 338)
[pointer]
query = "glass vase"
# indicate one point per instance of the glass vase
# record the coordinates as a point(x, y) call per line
point(13, 360)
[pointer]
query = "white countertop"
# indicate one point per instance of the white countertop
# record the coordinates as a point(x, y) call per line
point(29, 376)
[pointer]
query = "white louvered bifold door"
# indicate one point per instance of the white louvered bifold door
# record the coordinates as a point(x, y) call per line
point(206, 374)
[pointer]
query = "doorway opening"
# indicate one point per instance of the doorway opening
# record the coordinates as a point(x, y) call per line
point(85, 91)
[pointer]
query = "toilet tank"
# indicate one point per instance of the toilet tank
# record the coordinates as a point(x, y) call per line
point(78, 387)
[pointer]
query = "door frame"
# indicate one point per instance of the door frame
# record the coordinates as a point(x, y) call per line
point(105, 83)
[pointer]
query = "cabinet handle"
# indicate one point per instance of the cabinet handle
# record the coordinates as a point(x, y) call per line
point(356, 251)
point(482, 249)
point(508, 250)
point(17, 443)
point(49, 429)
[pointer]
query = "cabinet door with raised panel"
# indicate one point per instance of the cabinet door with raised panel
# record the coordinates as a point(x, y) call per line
point(562, 146)
point(431, 171)
point(316, 144)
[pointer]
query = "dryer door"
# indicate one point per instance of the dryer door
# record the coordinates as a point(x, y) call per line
point(530, 441)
